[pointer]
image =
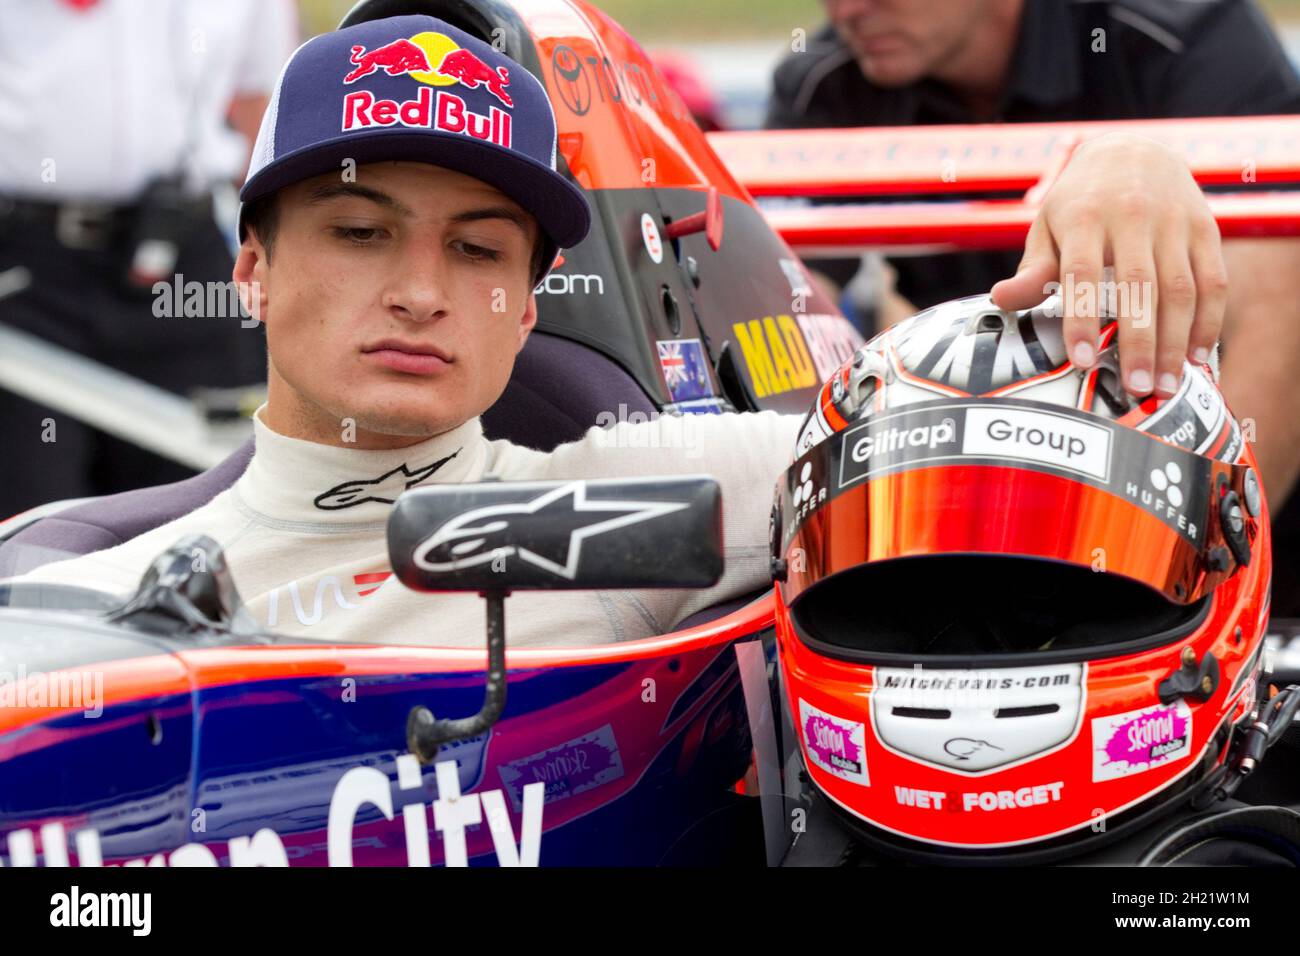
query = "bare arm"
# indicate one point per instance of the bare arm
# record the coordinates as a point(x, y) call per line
point(1261, 354)
point(893, 307)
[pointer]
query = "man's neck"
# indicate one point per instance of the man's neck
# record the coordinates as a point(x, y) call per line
point(295, 479)
point(979, 70)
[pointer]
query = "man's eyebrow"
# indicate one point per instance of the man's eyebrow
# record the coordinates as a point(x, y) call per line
point(494, 212)
point(328, 191)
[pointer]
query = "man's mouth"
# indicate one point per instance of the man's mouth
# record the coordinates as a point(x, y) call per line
point(413, 358)
point(878, 44)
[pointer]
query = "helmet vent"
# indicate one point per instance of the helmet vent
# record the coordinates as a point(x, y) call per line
point(1037, 710)
point(923, 713)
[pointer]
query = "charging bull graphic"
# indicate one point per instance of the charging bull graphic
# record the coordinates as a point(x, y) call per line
point(472, 71)
point(396, 58)
point(434, 59)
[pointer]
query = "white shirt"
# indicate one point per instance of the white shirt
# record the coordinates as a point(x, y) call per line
point(324, 573)
point(96, 102)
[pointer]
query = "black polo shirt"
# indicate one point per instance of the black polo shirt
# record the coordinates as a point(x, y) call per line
point(1162, 58)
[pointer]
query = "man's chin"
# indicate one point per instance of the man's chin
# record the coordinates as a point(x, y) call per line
point(889, 72)
point(406, 406)
point(403, 413)
point(413, 423)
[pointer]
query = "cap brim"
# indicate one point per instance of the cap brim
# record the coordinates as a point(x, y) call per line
point(560, 208)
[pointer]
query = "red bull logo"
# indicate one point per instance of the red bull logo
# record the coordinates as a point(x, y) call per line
point(434, 59)
point(470, 70)
point(396, 58)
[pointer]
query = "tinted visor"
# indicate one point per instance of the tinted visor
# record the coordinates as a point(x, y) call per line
point(1007, 478)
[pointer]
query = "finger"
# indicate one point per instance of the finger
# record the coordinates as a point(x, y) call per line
point(1083, 252)
point(1038, 267)
point(1211, 277)
point(1176, 308)
point(1136, 299)
point(1065, 152)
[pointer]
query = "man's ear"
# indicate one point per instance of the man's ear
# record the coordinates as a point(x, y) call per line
point(250, 275)
point(527, 321)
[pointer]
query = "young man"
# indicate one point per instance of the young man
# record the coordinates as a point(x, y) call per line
point(395, 302)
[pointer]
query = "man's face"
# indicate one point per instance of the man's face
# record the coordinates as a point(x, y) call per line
point(397, 302)
point(898, 42)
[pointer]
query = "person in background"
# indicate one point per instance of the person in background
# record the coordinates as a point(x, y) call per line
point(119, 121)
point(688, 81)
point(927, 62)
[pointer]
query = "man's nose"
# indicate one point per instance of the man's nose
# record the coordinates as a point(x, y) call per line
point(418, 290)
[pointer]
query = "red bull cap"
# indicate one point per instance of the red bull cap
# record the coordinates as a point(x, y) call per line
point(418, 89)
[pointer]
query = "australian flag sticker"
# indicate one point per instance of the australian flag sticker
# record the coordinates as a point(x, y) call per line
point(686, 370)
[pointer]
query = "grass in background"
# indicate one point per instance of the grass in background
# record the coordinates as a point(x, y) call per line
point(699, 21)
point(703, 21)
point(651, 21)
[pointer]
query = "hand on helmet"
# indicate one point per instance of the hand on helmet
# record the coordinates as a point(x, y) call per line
point(1131, 203)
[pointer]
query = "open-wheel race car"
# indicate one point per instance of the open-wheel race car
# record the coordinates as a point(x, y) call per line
point(165, 727)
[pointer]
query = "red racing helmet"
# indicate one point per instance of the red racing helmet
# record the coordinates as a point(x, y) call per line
point(1018, 611)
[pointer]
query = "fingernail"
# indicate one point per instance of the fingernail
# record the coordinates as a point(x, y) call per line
point(1201, 354)
point(1139, 381)
point(1084, 354)
point(1168, 383)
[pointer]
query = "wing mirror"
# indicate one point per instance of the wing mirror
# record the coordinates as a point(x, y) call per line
point(496, 537)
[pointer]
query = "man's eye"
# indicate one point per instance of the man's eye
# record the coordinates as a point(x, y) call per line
point(477, 253)
point(357, 235)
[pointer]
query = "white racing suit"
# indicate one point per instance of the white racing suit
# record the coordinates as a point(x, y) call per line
point(303, 531)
